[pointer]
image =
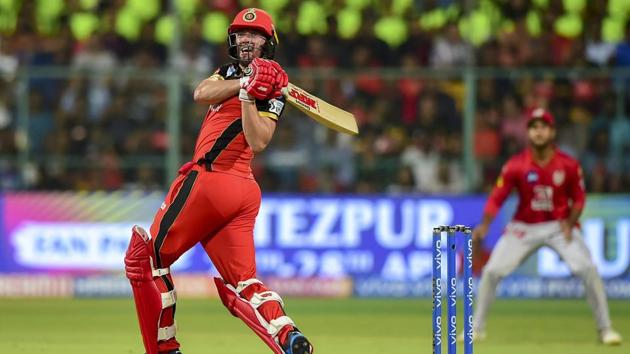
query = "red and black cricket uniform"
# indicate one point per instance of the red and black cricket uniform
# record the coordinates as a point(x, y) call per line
point(215, 200)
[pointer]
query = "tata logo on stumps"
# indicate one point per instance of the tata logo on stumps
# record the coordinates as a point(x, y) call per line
point(303, 99)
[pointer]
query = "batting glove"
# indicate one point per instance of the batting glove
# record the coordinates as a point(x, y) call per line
point(258, 80)
point(281, 80)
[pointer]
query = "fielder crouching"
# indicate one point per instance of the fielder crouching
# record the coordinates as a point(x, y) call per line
point(551, 196)
point(215, 199)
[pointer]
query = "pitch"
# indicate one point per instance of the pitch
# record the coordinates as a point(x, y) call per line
point(349, 326)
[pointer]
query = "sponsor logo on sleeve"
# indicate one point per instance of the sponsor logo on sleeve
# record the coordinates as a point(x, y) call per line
point(500, 181)
point(275, 106)
point(230, 71)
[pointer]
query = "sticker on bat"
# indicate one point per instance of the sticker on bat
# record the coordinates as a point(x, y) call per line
point(304, 99)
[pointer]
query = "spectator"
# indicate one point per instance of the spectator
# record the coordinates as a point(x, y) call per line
point(93, 57)
point(513, 126)
point(515, 46)
point(336, 159)
point(410, 89)
point(9, 176)
point(146, 178)
point(286, 158)
point(8, 61)
point(404, 183)
point(193, 61)
point(622, 54)
point(448, 179)
point(41, 123)
point(6, 119)
point(422, 159)
point(597, 163)
point(450, 50)
point(620, 153)
point(598, 52)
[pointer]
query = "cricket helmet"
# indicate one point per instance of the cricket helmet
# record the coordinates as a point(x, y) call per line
point(253, 19)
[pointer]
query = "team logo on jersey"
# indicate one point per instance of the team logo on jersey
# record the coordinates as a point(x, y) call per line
point(558, 177)
point(532, 177)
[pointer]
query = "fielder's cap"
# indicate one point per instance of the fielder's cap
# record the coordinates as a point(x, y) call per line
point(542, 114)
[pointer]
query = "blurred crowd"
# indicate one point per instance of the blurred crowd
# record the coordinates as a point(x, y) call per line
point(98, 119)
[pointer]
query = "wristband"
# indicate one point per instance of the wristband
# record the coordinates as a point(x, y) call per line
point(244, 96)
point(243, 81)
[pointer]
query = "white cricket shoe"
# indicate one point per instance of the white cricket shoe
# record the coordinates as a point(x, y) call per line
point(477, 336)
point(610, 337)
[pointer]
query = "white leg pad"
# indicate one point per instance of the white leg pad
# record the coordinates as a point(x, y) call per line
point(260, 298)
point(245, 283)
point(169, 299)
point(159, 271)
point(275, 325)
point(165, 333)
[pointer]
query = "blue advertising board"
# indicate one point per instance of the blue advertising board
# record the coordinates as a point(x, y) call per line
point(382, 243)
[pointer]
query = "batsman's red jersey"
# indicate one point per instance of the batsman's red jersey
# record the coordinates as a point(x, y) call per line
point(220, 141)
point(545, 193)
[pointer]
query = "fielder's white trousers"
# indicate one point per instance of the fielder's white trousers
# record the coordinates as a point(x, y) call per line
point(517, 243)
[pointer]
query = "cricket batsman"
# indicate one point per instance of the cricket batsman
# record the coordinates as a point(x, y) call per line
point(551, 195)
point(215, 199)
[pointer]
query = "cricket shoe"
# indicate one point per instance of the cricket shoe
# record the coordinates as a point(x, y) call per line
point(296, 343)
point(176, 351)
point(610, 337)
point(477, 336)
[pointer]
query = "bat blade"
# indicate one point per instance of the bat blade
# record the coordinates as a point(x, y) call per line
point(321, 111)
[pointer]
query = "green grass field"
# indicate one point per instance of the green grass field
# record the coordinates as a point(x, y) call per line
point(335, 326)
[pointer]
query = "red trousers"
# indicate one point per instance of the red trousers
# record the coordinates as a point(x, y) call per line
point(218, 210)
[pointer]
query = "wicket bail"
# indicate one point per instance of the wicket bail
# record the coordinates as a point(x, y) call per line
point(451, 291)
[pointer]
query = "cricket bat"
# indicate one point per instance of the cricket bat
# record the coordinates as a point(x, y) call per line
point(321, 111)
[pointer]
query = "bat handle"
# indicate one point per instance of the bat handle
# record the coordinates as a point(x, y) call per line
point(285, 91)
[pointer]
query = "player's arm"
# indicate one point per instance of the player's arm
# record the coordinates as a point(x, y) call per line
point(577, 194)
point(500, 192)
point(215, 90)
point(258, 130)
point(260, 112)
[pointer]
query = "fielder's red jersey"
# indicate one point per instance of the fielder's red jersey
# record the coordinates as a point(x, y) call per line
point(221, 142)
point(545, 193)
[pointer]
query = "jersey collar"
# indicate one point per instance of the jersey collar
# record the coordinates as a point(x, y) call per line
point(530, 157)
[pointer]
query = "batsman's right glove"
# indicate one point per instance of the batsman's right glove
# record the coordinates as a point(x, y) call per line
point(281, 79)
point(258, 81)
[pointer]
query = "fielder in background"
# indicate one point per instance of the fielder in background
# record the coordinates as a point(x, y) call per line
point(551, 198)
point(215, 199)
